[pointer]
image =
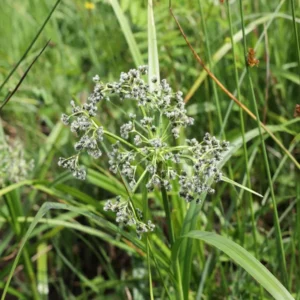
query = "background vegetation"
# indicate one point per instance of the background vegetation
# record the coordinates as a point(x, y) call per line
point(79, 252)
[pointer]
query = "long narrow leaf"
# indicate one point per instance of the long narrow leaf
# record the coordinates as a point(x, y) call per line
point(226, 179)
point(230, 95)
point(248, 262)
point(23, 77)
point(98, 220)
point(31, 44)
point(153, 61)
point(132, 44)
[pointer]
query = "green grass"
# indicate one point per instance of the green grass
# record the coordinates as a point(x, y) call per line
point(54, 231)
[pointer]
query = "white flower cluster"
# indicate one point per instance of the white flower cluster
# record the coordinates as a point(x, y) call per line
point(127, 215)
point(165, 164)
point(14, 167)
point(145, 141)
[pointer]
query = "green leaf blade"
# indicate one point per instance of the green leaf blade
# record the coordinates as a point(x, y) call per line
point(248, 262)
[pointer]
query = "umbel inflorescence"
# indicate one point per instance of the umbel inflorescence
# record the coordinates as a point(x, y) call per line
point(144, 146)
point(14, 165)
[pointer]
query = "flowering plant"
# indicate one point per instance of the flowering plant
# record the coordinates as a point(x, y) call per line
point(14, 166)
point(144, 147)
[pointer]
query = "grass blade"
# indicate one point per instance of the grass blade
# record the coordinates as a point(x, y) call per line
point(31, 45)
point(225, 179)
point(132, 44)
point(236, 38)
point(230, 95)
point(23, 77)
point(279, 240)
point(243, 258)
point(296, 34)
point(128, 238)
point(42, 272)
point(15, 186)
point(153, 62)
point(15, 209)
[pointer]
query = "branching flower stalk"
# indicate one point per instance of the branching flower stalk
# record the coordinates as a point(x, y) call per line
point(144, 142)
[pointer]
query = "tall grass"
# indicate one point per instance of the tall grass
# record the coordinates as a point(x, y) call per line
point(55, 233)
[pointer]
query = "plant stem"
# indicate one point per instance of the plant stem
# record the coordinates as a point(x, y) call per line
point(168, 215)
point(242, 123)
point(266, 162)
point(242, 127)
point(120, 139)
point(297, 227)
point(12, 201)
point(296, 33)
point(230, 95)
point(172, 238)
point(149, 269)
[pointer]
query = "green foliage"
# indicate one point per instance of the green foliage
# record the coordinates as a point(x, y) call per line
point(56, 234)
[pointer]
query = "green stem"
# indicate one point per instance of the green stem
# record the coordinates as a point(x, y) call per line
point(242, 128)
point(15, 210)
point(296, 33)
point(266, 162)
point(220, 118)
point(149, 269)
point(214, 86)
point(297, 230)
point(172, 238)
point(121, 140)
point(146, 217)
point(158, 269)
point(168, 215)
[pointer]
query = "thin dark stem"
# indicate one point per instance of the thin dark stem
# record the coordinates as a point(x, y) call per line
point(31, 45)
